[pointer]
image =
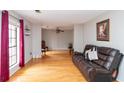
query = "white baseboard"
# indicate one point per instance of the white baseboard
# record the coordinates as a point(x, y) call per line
point(16, 67)
point(37, 56)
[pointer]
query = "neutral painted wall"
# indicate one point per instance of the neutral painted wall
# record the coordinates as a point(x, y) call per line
point(116, 34)
point(27, 42)
point(78, 38)
point(57, 41)
point(36, 40)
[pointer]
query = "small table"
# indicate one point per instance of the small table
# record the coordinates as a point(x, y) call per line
point(71, 50)
point(43, 51)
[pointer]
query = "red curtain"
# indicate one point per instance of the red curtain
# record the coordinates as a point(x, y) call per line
point(4, 53)
point(22, 55)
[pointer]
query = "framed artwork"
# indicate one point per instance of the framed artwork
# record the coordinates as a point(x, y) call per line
point(103, 30)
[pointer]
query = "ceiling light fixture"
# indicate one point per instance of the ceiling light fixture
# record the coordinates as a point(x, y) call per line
point(58, 30)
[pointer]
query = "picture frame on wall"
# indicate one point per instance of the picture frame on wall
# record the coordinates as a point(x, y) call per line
point(103, 30)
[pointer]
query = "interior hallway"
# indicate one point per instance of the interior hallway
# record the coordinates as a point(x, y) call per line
point(56, 66)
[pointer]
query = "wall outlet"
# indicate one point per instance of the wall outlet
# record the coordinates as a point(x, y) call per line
point(30, 53)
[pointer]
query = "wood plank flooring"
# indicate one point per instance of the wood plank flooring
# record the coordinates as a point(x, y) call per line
point(55, 66)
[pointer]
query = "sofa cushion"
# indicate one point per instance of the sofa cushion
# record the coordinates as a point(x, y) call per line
point(77, 58)
point(107, 51)
point(106, 56)
point(102, 57)
point(112, 55)
point(87, 70)
point(109, 62)
point(99, 62)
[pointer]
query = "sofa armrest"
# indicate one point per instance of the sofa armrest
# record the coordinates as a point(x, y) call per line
point(102, 75)
point(102, 70)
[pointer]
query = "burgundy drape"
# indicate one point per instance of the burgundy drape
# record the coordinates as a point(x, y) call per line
point(4, 53)
point(22, 55)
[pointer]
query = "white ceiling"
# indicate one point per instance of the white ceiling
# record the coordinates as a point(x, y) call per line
point(54, 18)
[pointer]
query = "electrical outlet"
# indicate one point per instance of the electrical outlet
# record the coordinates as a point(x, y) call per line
point(30, 53)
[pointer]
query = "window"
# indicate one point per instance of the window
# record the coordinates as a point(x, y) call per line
point(13, 44)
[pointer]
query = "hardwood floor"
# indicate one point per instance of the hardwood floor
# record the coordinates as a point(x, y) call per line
point(55, 66)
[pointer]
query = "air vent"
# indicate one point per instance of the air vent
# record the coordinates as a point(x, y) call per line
point(37, 11)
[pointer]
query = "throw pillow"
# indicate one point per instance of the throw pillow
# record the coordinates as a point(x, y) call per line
point(92, 55)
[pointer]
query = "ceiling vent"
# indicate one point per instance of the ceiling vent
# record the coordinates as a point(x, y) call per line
point(37, 11)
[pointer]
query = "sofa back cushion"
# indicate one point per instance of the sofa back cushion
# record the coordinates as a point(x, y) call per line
point(106, 56)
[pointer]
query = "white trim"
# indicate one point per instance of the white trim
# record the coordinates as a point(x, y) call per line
point(37, 55)
point(16, 67)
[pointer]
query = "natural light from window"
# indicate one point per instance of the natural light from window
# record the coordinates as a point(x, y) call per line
point(13, 46)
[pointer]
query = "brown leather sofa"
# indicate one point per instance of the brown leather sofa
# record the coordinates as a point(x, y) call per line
point(105, 69)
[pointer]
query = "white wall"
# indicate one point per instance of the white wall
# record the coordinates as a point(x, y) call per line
point(116, 34)
point(57, 41)
point(36, 41)
point(78, 37)
point(27, 42)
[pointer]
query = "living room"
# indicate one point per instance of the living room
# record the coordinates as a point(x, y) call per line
point(79, 34)
point(61, 46)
